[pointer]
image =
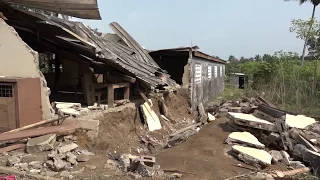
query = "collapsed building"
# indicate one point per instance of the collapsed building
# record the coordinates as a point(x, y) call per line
point(47, 59)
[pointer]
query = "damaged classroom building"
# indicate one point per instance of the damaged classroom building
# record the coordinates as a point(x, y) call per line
point(75, 101)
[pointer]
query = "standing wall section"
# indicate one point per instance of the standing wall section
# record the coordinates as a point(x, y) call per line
point(209, 85)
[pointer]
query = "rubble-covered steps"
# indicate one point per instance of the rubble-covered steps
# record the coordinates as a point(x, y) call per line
point(252, 156)
point(244, 138)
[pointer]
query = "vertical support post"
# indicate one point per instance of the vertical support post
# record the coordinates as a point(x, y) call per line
point(110, 96)
point(126, 92)
point(88, 88)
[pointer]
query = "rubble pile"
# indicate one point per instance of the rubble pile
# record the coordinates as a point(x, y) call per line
point(60, 156)
point(76, 109)
point(264, 134)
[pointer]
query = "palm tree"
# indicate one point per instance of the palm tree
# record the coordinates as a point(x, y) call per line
point(315, 4)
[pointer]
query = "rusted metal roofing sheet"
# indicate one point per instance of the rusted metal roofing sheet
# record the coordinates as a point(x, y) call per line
point(85, 9)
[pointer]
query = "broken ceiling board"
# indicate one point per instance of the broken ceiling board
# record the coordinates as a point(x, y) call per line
point(150, 116)
point(250, 120)
point(299, 121)
point(245, 138)
point(252, 156)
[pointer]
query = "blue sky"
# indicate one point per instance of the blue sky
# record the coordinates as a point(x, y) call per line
point(220, 28)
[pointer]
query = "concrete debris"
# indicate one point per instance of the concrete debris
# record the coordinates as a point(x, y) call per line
point(35, 164)
point(67, 147)
point(276, 156)
point(261, 176)
point(299, 121)
point(250, 120)
point(211, 117)
point(112, 164)
point(150, 116)
point(12, 160)
point(35, 171)
point(42, 143)
point(83, 158)
point(183, 134)
point(252, 156)
point(244, 138)
point(66, 174)
point(297, 164)
point(285, 157)
point(174, 176)
point(73, 159)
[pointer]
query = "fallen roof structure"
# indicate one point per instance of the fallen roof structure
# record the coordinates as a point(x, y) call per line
point(81, 43)
point(86, 9)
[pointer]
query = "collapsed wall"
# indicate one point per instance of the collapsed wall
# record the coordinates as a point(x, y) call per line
point(18, 60)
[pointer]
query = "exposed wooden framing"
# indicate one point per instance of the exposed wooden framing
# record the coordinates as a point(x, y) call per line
point(112, 87)
point(88, 88)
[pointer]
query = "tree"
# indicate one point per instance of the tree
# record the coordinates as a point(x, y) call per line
point(257, 57)
point(232, 58)
point(315, 4)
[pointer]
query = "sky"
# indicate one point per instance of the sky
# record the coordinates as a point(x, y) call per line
point(219, 28)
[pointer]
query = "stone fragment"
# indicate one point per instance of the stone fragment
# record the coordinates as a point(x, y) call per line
point(22, 166)
point(92, 167)
point(42, 143)
point(252, 156)
point(83, 158)
point(145, 170)
point(72, 158)
point(297, 164)
point(286, 157)
point(12, 160)
point(35, 171)
point(35, 164)
point(211, 117)
point(174, 176)
point(244, 138)
point(111, 164)
point(67, 148)
point(276, 156)
point(66, 174)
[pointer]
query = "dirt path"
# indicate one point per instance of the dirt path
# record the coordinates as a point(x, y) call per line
point(204, 154)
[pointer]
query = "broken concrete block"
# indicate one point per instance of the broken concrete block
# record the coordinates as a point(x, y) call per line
point(69, 111)
point(150, 116)
point(244, 138)
point(72, 158)
point(145, 170)
point(313, 159)
point(67, 148)
point(83, 158)
point(297, 164)
point(252, 156)
point(250, 120)
point(286, 157)
point(211, 117)
point(22, 166)
point(299, 121)
point(62, 105)
point(35, 171)
point(35, 164)
point(42, 143)
point(276, 156)
point(273, 137)
point(59, 164)
point(12, 160)
point(174, 176)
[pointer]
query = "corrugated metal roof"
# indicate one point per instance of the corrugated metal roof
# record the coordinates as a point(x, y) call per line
point(130, 58)
point(85, 9)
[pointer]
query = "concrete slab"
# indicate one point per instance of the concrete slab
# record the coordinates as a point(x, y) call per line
point(150, 117)
point(299, 121)
point(211, 117)
point(42, 143)
point(62, 105)
point(250, 120)
point(253, 156)
point(244, 138)
point(67, 147)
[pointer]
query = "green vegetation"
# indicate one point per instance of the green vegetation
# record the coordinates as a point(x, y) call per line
point(284, 79)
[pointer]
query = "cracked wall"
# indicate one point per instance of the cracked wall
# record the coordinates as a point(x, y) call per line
point(18, 60)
